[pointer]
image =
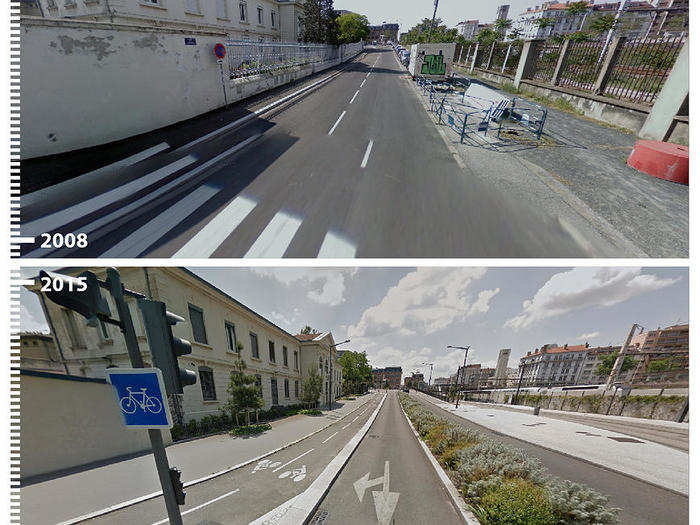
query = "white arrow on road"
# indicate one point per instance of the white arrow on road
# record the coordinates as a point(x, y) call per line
point(384, 501)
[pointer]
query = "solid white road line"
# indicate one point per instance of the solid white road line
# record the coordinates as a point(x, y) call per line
point(354, 96)
point(209, 238)
point(335, 247)
point(337, 122)
point(37, 196)
point(276, 237)
point(293, 460)
point(57, 219)
point(346, 426)
point(367, 154)
point(200, 506)
point(329, 437)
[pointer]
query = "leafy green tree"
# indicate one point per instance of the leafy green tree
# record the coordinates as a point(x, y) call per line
point(502, 26)
point(242, 391)
point(487, 36)
point(318, 21)
point(357, 372)
point(579, 36)
point(578, 8)
point(311, 388)
point(352, 28)
point(419, 33)
point(604, 23)
point(515, 34)
point(308, 330)
point(545, 22)
point(607, 363)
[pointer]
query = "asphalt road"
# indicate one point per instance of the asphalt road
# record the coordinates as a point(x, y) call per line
point(390, 451)
point(640, 503)
point(354, 168)
point(245, 494)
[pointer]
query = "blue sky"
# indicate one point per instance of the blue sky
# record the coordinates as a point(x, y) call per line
point(407, 316)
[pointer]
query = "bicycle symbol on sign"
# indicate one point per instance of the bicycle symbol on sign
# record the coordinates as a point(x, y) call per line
point(141, 400)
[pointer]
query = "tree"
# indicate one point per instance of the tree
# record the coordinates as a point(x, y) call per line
point(604, 23)
point(545, 22)
point(318, 20)
point(311, 388)
point(357, 372)
point(308, 330)
point(503, 25)
point(242, 391)
point(579, 36)
point(352, 28)
point(420, 32)
point(487, 36)
point(607, 363)
point(515, 34)
point(578, 8)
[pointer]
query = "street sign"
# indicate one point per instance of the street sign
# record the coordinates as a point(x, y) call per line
point(189, 41)
point(141, 397)
point(220, 51)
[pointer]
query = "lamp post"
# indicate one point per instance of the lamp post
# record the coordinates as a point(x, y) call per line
point(430, 378)
point(466, 350)
point(330, 371)
point(432, 24)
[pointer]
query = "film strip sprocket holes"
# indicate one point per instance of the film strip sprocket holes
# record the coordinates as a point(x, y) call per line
point(15, 239)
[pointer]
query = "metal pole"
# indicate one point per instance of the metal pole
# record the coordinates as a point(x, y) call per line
point(514, 401)
point(432, 24)
point(161, 458)
point(620, 358)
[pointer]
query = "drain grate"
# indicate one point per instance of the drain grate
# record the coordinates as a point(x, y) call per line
point(625, 439)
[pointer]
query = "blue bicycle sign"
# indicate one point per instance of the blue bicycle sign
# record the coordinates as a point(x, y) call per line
point(141, 397)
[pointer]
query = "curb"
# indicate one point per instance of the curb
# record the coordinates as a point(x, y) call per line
point(152, 495)
point(460, 505)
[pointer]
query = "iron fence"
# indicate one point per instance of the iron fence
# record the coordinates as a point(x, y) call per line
point(641, 68)
point(582, 65)
point(546, 58)
point(253, 58)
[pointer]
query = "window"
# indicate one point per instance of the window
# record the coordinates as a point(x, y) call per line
point(254, 346)
point(103, 332)
point(222, 9)
point(271, 348)
point(197, 320)
point(76, 338)
point(272, 19)
point(206, 379)
point(286, 388)
point(285, 359)
point(243, 11)
point(192, 6)
point(296, 360)
point(231, 337)
point(260, 15)
point(296, 389)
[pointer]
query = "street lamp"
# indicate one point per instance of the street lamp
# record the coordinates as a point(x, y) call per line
point(431, 371)
point(466, 350)
point(330, 372)
point(432, 24)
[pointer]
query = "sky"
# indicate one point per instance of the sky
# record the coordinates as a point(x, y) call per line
point(408, 316)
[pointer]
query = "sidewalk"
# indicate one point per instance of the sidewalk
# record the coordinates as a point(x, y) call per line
point(650, 462)
point(74, 495)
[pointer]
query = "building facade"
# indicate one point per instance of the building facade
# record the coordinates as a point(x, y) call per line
point(384, 33)
point(247, 20)
point(318, 352)
point(220, 329)
point(502, 13)
point(37, 351)
point(502, 363)
point(468, 29)
point(389, 377)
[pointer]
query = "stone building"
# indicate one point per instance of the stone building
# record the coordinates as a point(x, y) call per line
point(389, 377)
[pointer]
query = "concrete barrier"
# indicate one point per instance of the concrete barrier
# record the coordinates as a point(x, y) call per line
point(89, 83)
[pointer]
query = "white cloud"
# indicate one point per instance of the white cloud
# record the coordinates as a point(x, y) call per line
point(581, 288)
point(323, 286)
point(425, 301)
point(585, 337)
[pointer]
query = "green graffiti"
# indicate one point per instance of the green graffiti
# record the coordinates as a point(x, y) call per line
point(433, 65)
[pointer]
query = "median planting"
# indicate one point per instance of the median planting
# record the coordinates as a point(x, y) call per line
point(502, 484)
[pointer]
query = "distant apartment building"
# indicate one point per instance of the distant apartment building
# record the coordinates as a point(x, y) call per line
point(247, 20)
point(416, 380)
point(636, 21)
point(220, 329)
point(553, 364)
point(38, 351)
point(384, 33)
point(502, 363)
point(389, 377)
point(468, 29)
point(664, 346)
point(502, 13)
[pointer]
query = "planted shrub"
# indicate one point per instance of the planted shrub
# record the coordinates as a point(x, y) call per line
point(516, 502)
point(251, 429)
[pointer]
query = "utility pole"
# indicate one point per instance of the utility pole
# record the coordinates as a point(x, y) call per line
point(464, 367)
point(432, 24)
point(431, 371)
point(620, 358)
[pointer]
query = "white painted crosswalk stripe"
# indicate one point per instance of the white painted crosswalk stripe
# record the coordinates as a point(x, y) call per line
point(60, 218)
point(335, 247)
point(218, 229)
point(276, 237)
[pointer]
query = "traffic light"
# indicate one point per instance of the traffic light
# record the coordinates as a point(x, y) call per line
point(80, 294)
point(165, 347)
point(178, 488)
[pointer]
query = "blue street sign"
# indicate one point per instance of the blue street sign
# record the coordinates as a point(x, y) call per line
point(141, 397)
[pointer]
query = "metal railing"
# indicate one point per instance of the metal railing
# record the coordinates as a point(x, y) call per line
point(582, 65)
point(505, 57)
point(642, 67)
point(546, 58)
point(253, 58)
